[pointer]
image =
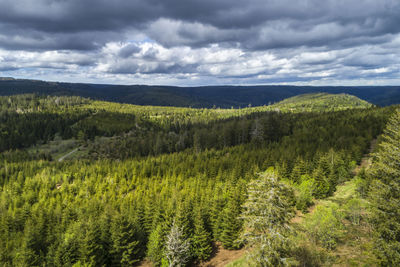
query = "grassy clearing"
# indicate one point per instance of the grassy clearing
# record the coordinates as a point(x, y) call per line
point(241, 262)
point(352, 239)
point(56, 148)
point(59, 148)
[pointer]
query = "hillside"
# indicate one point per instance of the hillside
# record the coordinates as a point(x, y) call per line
point(94, 183)
point(199, 97)
point(33, 118)
point(321, 102)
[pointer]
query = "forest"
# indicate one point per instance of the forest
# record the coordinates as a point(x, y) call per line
point(85, 182)
point(199, 97)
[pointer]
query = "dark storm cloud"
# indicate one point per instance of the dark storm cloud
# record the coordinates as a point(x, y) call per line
point(129, 50)
point(253, 24)
point(240, 41)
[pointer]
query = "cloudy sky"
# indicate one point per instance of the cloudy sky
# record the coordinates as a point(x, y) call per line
point(201, 42)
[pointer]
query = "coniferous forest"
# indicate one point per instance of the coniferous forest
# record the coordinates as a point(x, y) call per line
point(312, 180)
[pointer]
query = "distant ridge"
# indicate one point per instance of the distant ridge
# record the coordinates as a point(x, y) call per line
point(6, 79)
point(198, 97)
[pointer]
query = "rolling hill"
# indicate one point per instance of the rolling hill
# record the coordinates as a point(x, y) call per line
point(198, 97)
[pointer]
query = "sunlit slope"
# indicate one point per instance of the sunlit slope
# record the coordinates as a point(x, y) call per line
point(321, 102)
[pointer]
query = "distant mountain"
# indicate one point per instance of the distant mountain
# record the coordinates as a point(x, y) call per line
point(205, 96)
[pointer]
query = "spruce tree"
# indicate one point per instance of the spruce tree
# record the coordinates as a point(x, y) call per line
point(177, 248)
point(216, 214)
point(94, 250)
point(201, 240)
point(231, 224)
point(384, 194)
point(184, 218)
point(126, 241)
point(321, 184)
point(267, 213)
point(155, 245)
point(31, 245)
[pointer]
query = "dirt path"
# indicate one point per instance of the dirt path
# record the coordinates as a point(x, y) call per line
point(366, 161)
point(223, 256)
point(220, 257)
point(68, 154)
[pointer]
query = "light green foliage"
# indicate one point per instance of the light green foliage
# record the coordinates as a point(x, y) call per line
point(68, 251)
point(267, 213)
point(242, 262)
point(322, 102)
point(324, 226)
point(353, 209)
point(149, 171)
point(304, 196)
point(155, 246)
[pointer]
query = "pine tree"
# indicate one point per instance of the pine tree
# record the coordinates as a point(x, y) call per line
point(267, 213)
point(155, 246)
point(177, 248)
point(184, 218)
point(257, 134)
point(321, 184)
point(201, 240)
point(384, 194)
point(231, 224)
point(126, 241)
point(216, 214)
point(298, 170)
point(31, 245)
point(68, 251)
point(94, 250)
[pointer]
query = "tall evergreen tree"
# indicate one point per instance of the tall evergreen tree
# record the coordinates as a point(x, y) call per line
point(126, 241)
point(231, 224)
point(31, 245)
point(155, 246)
point(267, 213)
point(385, 194)
point(321, 184)
point(201, 240)
point(94, 249)
point(177, 248)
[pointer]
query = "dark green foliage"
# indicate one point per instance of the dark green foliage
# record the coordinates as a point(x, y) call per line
point(95, 247)
point(384, 194)
point(207, 96)
point(127, 241)
point(231, 224)
point(321, 183)
point(31, 248)
point(123, 193)
point(201, 240)
point(68, 250)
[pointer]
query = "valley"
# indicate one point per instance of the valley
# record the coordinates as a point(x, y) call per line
point(92, 183)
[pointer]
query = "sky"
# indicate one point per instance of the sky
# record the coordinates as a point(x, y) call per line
point(202, 42)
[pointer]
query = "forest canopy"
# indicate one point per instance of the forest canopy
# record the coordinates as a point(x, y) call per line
point(100, 183)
